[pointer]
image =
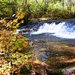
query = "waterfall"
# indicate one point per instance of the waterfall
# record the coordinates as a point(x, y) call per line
point(62, 29)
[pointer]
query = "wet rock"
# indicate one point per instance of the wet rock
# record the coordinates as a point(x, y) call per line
point(35, 29)
point(24, 31)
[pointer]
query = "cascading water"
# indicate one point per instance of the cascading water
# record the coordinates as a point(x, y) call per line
point(63, 30)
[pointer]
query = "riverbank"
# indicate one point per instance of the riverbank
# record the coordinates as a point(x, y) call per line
point(45, 18)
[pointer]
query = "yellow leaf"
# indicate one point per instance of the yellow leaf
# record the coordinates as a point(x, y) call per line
point(15, 20)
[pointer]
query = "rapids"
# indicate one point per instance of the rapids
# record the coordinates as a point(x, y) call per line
point(62, 29)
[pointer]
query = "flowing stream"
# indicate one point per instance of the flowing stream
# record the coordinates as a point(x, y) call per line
point(62, 29)
point(52, 41)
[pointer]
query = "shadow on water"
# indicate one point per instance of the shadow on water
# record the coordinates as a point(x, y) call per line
point(55, 51)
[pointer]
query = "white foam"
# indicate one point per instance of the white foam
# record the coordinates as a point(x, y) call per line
point(59, 30)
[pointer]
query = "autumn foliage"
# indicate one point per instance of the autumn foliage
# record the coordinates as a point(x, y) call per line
point(12, 45)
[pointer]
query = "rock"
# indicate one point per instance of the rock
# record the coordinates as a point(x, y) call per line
point(31, 43)
point(70, 71)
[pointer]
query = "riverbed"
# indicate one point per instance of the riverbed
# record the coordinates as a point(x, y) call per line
point(53, 42)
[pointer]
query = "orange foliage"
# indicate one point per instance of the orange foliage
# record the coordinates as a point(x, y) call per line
point(11, 43)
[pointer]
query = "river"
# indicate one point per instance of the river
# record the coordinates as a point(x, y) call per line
point(53, 41)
